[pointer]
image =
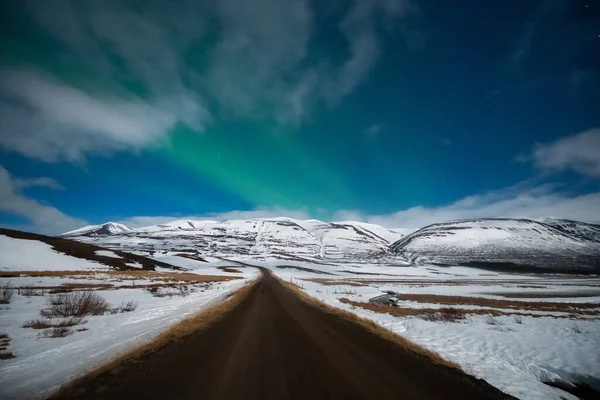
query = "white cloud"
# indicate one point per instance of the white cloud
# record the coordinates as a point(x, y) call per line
point(261, 212)
point(516, 201)
point(360, 27)
point(45, 182)
point(48, 120)
point(259, 66)
point(523, 200)
point(45, 219)
point(580, 153)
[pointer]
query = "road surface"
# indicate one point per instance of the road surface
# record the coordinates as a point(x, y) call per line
point(273, 345)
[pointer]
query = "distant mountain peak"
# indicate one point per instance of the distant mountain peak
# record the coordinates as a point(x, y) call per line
point(108, 228)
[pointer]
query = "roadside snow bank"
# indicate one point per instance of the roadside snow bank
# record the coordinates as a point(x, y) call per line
point(516, 357)
point(42, 365)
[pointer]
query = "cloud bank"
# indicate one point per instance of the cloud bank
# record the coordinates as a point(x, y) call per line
point(158, 66)
point(45, 219)
point(579, 153)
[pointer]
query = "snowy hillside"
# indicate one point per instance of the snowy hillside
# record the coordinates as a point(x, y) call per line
point(23, 251)
point(556, 244)
point(285, 236)
point(108, 228)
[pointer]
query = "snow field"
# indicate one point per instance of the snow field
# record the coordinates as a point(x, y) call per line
point(515, 357)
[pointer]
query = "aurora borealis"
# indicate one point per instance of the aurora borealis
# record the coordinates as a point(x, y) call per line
point(396, 112)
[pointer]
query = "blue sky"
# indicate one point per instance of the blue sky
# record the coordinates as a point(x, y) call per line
point(395, 112)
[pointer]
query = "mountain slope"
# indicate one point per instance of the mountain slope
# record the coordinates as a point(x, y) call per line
point(311, 238)
point(29, 251)
point(108, 228)
point(565, 245)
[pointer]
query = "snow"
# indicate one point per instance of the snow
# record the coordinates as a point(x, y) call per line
point(514, 357)
point(107, 253)
point(33, 255)
point(564, 245)
point(43, 364)
point(262, 236)
point(210, 267)
point(111, 227)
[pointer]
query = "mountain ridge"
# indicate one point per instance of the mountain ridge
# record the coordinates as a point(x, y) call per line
point(508, 241)
point(549, 243)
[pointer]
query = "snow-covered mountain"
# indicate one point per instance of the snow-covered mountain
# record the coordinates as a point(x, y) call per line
point(500, 242)
point(284, 236)
point(24, 251)
point(108, 228)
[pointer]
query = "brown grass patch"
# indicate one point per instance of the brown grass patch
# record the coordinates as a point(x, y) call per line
point(88, 251)
point(467, 282)
point(578, 308)
point(230, 269)
point(75, 304)
point(123, 275)
point(4, 342)
point(372, 326)
point(547, 295)
point(56, 332)
point(6, 293)
point(47, 323)
point(334, 282)
point(186, 327)
point(5, 355)
point(448, 314)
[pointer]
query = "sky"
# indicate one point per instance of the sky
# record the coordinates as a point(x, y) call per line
point(395, 112)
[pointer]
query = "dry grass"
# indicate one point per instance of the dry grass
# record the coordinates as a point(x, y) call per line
point(578, 308)
point(6, 293)
point(186, 327)
point(4, 342)
point(76, 304)
point(373, 327)
point(429, 313)
point(335, 282)
point(445, 315)
point(6, 355)
point(30, 290)
point(123, 275)
point(56, 332)
point(128, 306)
point(47, 323)
point(69, 287)
point(548, 295)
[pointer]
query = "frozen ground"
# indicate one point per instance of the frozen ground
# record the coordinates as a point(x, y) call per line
point(42, 364)
point(33, 255)
point(514, 354)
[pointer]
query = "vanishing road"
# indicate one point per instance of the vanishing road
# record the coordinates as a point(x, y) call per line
point(273, 345)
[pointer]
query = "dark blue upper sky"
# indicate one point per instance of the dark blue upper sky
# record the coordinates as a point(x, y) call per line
point(392, 111)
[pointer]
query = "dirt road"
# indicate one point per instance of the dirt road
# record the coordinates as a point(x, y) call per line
point(273, 345)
